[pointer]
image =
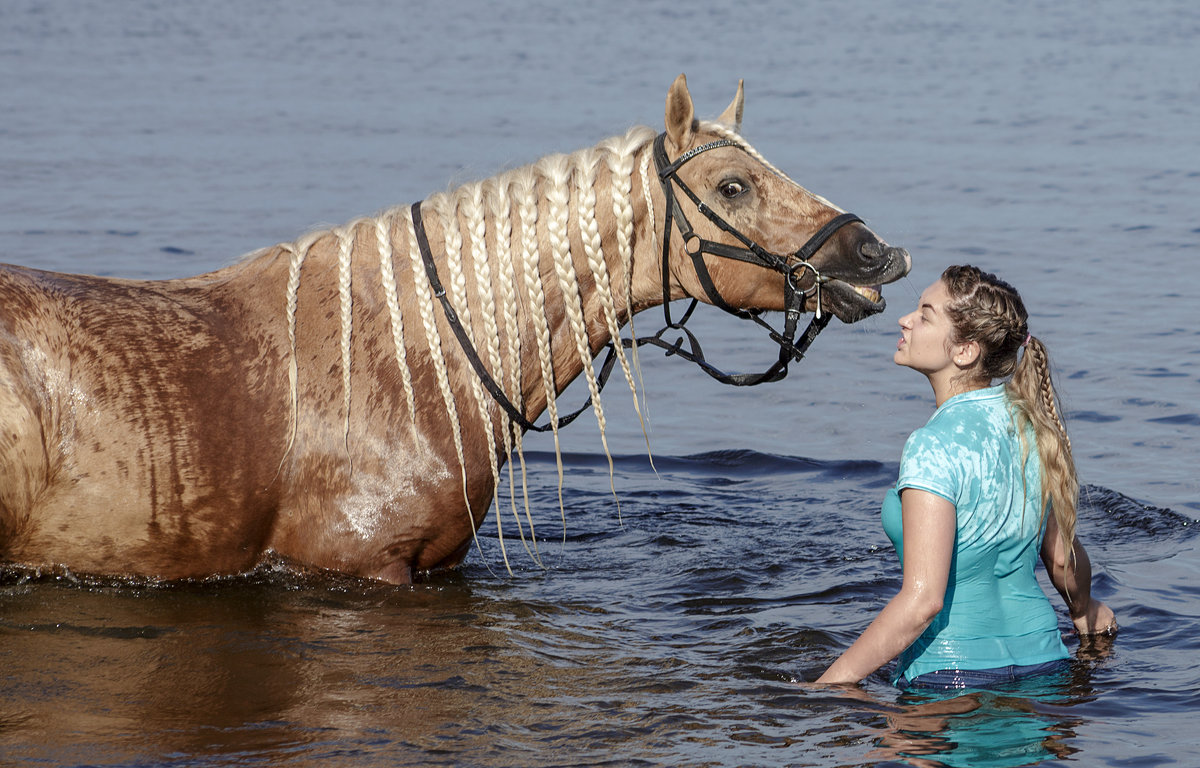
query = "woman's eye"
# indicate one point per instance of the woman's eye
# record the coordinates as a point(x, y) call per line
point(731, 188)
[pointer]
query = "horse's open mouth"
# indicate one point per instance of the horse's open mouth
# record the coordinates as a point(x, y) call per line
point(872, 293)
point(849, 302)
point(854, 293)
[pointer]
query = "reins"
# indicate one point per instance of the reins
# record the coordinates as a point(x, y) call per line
point(464, 341)
point(790, 347)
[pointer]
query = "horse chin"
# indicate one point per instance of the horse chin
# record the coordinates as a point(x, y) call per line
point(850, 303)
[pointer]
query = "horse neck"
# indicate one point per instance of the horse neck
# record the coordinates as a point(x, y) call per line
point(541, 258)
point(604, 254)
point(536, 263)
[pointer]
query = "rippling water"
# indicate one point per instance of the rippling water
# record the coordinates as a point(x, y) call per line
point(1054, 144)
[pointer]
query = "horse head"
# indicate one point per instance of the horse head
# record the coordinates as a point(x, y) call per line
point(743, 229)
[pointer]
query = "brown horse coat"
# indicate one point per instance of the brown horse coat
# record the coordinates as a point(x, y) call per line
point(311, 400)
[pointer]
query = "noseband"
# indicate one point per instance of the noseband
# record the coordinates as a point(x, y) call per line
point(791, 267)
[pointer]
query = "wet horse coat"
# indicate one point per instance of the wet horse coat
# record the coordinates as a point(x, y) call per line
point(311, 400)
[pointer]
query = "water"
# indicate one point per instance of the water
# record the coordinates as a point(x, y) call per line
point(1055, 144)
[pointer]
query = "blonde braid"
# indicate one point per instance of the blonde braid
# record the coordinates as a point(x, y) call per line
point(528, 213)
point(620, 166)
point(500, 207)
point(589, 232)
point(387, 278)
point(295, 262)
point(433, 338)
point(1033, 386)
point(473, 211)
point(559, 173)
point(448, 209)
point(656, 248)
point(345, 237)
point(477, 226)
point(1041, 360)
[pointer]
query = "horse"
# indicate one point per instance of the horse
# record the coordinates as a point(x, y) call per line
point(347, 401)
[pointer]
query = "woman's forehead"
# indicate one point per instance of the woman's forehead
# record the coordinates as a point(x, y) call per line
point(935, 295)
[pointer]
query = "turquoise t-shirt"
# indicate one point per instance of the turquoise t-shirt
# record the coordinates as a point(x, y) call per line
point(995, 614)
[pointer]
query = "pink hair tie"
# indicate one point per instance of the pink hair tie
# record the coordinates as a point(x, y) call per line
point(1025, 343)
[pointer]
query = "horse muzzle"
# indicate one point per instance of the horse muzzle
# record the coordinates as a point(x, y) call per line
point(852, 288)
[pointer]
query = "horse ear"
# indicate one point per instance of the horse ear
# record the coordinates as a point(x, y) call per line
point(732, 116)
point(680, 114)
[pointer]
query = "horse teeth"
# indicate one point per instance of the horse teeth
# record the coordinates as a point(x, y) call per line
point(870, 294)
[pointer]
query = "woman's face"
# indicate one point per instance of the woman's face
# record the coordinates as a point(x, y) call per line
point(926, 336)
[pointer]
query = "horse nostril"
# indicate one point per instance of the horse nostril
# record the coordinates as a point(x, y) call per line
point(877, 251)
point(873, 250)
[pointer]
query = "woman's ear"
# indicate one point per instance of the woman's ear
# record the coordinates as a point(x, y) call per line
point(965, 354)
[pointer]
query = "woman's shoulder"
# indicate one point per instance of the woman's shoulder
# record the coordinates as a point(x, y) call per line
point(931, 461)
point(934, 441)
point(953, 434)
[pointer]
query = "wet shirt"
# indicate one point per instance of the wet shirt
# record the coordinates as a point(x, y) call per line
point(995, 614)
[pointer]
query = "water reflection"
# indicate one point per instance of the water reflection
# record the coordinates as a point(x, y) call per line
point(1021, 724)
point(245, 668)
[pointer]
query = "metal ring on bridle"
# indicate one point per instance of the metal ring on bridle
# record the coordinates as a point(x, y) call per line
point(814, 290)
point(792, 278)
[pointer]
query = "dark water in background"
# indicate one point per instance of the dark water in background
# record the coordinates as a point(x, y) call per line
point(1053, 143)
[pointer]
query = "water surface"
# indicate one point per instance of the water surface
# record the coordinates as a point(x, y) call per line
point(1054, 144)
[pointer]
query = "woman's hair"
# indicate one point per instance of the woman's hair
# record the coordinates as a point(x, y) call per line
point(985, 309)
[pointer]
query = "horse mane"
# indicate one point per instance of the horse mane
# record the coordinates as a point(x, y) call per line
point(506, 206)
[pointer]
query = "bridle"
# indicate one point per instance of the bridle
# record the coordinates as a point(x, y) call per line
point(793, 268)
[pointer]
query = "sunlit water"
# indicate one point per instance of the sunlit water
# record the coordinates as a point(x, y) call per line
point(1054, 144)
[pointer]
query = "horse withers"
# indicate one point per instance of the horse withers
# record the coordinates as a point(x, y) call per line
point(347, 401)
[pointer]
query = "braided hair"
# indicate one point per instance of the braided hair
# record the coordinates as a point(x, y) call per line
point(989, 311)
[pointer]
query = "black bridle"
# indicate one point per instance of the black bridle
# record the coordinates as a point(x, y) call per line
point(792, 268)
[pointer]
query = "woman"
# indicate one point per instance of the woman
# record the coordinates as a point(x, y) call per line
point(966, 515)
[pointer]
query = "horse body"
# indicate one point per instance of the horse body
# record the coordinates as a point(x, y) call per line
point(313, 401)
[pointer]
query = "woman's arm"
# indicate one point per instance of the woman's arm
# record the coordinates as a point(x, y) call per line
point(1091, 617)
point(929, 528)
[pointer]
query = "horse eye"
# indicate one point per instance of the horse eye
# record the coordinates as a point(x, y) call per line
point(731, 188)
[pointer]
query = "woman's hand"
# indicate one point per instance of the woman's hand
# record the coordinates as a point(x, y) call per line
point(1098, 619)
